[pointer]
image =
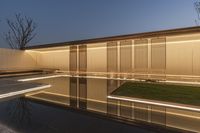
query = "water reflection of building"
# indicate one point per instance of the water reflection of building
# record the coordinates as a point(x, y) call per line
point(91, 94)
point(172, 55)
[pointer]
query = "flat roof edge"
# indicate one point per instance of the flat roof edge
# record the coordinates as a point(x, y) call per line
point(168, 32)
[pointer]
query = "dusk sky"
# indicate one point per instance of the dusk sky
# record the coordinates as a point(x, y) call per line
point(67, 20)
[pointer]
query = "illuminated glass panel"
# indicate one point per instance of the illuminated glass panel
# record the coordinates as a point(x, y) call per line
point(141, 58)
point(141, 111)
point(83, 58)
point(126, 109)
point(158, 115)
point(73, 58)
point(82, 93)
point(112, 107)
point(111, 85)
point(73, 91)
point(141, 54)
point(158, 58)
point(112, 57)
point(158, 53)
point(126, 56)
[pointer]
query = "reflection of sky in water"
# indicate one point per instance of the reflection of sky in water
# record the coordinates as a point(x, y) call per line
point(47, 119)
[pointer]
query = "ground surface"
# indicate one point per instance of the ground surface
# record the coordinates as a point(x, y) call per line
point(162, 92)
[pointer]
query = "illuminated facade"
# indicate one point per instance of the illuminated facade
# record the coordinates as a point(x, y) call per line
point(171, 55)
point(162, 55)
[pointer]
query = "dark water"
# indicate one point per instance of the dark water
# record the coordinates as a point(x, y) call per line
point(21, 115)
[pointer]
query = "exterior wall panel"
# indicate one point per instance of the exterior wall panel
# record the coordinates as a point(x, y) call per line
point(97, 57)
point(141, 58)
point(158, 58)
point(73, 59)
point(16, 59)
point(126, 56)
point(83, 58)
point(54, 59)
point(112, 57)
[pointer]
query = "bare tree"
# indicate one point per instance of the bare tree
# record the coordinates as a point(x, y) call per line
point(197, 8)
point(21, 31)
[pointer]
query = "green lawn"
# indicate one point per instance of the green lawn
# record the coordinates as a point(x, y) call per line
point(162, 92)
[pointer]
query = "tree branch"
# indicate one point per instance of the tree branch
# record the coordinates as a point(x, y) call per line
point(21, 31)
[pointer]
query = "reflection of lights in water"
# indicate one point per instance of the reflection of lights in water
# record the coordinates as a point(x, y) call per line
point(154, 103)
point(2, 96)
point(113, 77)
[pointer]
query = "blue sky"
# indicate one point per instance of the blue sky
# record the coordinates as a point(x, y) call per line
point(66, 20)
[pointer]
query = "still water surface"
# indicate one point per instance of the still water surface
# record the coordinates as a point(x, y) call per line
point(88, 95)
point(20, 115)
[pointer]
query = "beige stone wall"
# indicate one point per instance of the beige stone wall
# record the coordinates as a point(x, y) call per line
point(97, 57)
point(58, 59)
point(183, 55)
point(16, 59)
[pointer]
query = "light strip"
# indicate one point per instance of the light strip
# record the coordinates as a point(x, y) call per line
point(183, 115)
point(174, 42)
point(104, 47)
point(23, 91)
point(182, 82)
point(43, 77)
point(67, 96)
point(133, 73)
point(97, 77)
point(54, 51)
point(47, 100)
point(154, 103)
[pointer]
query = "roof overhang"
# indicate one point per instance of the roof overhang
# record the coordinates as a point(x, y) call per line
point(161, 33)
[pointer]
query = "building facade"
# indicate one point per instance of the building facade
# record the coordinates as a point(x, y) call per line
point(161, 55)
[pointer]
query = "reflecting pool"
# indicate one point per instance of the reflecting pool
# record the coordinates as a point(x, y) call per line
point(91, 94)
